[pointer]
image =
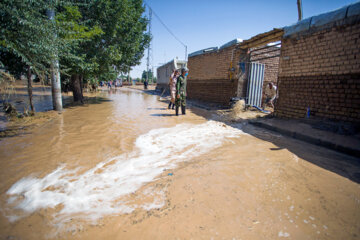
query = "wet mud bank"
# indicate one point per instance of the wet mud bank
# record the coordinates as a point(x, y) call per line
point(127, 168)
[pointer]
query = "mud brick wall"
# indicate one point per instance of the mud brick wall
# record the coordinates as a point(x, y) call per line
point(209, 79)
point(321, 70)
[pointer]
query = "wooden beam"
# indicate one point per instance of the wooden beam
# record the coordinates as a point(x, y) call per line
point(261, 40)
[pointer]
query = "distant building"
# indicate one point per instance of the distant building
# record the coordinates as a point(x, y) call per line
point(164, 72)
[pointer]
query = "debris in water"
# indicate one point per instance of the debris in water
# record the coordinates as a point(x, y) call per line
point(283, 234)
point(238, 108)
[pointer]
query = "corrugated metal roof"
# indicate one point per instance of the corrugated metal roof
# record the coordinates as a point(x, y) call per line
point(322, 20)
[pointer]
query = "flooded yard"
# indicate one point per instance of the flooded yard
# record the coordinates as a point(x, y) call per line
point(125, 167)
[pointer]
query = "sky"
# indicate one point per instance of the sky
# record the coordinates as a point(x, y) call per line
point(201, 24)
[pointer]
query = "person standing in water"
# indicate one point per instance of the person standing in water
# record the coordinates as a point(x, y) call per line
point(181, 91)
point(172, 85)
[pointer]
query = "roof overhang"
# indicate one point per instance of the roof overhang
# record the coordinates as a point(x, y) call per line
point(262, 39)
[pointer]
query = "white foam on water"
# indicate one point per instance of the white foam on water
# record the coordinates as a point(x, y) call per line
point(98, 191)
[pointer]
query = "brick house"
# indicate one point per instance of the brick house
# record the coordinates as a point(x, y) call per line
point(320, 67)
point(219, 74)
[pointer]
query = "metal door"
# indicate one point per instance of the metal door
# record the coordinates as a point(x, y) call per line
point(255, 84)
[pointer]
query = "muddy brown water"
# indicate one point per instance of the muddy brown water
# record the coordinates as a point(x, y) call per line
point(124, 167)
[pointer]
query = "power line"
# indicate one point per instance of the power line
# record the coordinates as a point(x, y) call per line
point(168, 29)
point(149, 48)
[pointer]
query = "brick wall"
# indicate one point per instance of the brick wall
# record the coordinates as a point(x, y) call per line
point(209, 78)
point(321, 70)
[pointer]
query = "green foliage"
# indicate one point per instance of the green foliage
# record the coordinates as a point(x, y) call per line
point(150, 76)
point(27, 33)
point(124, 40)
point(106, 37)
point(12, 63)
point(70, 22)
point(96, 38)
point(75, 33)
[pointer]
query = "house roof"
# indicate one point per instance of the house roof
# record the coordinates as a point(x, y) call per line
point(202, 51)
point(337, 17)
point(231, 43)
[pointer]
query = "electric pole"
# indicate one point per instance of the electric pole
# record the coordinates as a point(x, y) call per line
point(149, 48)
point(300, 12)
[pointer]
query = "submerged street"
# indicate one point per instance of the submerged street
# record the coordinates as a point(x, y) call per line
point(124, 167)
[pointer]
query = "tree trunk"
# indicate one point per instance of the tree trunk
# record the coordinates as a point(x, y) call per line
point(128, 74)
point(55, 73)
point(29, 87)
point(81, 85)
point(56, 86)
point(76, 88)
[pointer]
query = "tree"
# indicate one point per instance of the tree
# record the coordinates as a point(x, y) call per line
point(76, 34)
point(25, 34)
point(94, 41)
point(110, 38)
point(144, 76)
point(124, 37)
point(28, 35)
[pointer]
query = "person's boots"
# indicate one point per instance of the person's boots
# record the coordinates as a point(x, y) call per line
point(183, 110)
point(169, 105)
point(177, 110)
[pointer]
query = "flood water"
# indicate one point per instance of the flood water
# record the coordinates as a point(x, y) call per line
point(124, 167)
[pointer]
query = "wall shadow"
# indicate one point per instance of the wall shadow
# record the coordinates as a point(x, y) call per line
point(344, 165)
point(162, 114)
point(156, 108)
point(336, 162)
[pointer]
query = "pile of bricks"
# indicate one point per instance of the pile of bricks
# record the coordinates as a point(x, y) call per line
point(321, 71)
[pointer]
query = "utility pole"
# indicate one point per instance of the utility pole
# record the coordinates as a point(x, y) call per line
point(300, 12)
point(149, 48)
point(55, 73)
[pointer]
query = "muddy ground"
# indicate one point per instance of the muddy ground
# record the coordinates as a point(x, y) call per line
point(124, 167)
